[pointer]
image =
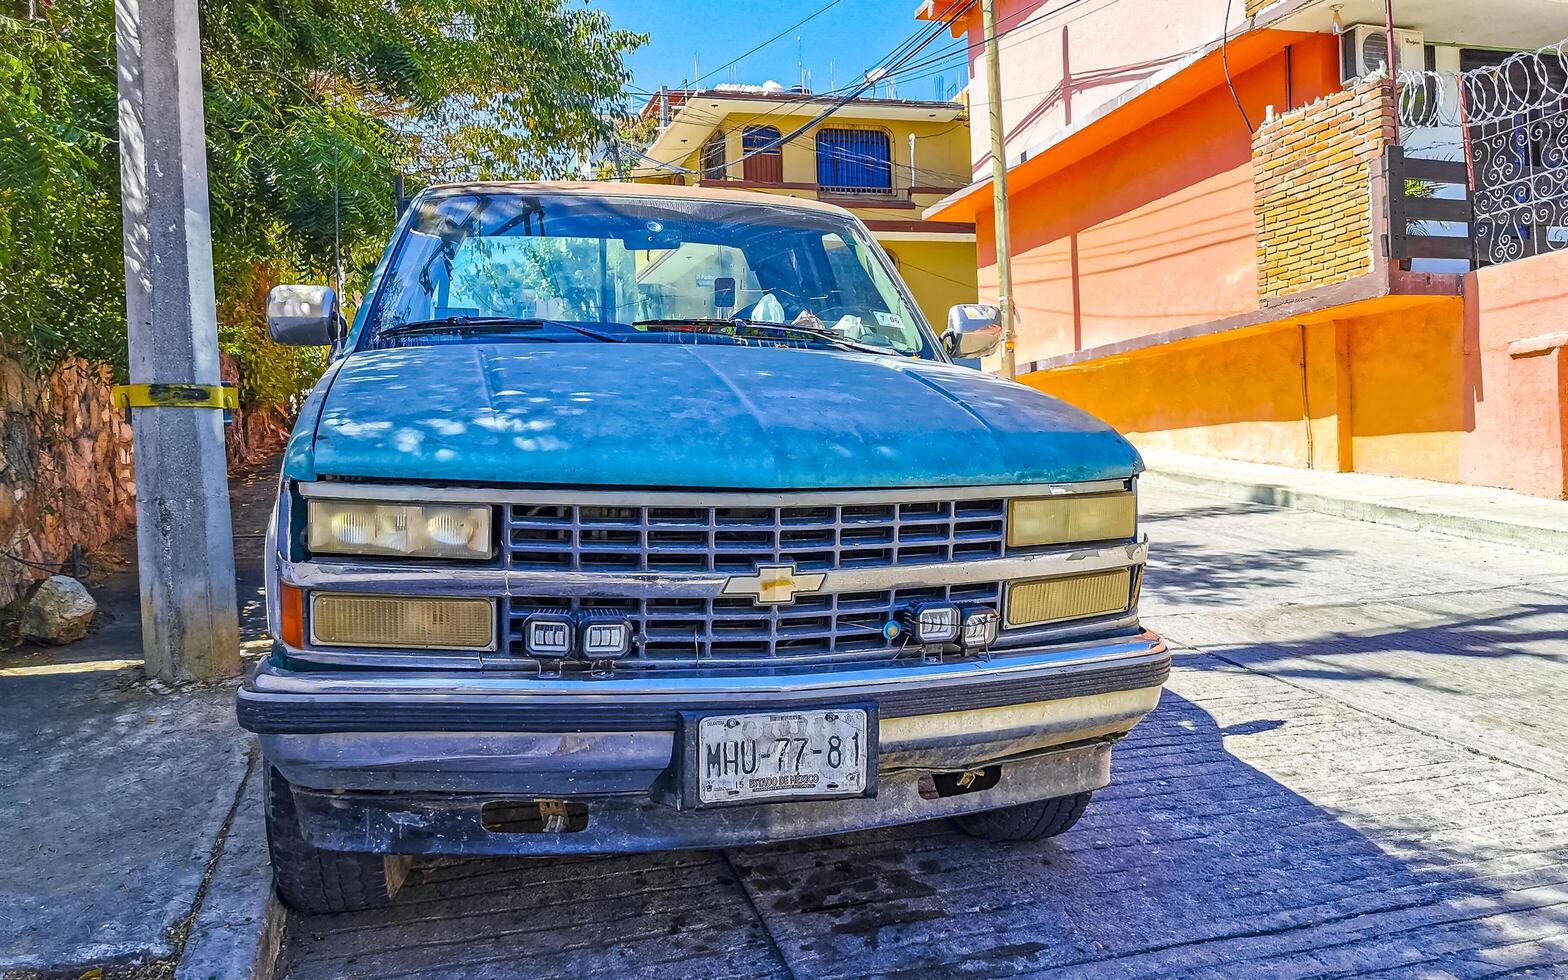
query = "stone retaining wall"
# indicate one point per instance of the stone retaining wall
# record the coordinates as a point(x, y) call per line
point(66, 470)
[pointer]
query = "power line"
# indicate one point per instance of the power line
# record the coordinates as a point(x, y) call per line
point(751, 51)
point(904, 263)
point(908, 49)
point(1225, 64)
point(895, 59)
point(1029, 30)
point(933, 30)
point(839, 153)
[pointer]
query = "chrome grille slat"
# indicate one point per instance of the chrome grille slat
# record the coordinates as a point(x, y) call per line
point(735, 539)
point(697, 632)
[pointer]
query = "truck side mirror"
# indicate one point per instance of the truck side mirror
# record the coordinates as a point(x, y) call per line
point(304, 316)
point(973, 330)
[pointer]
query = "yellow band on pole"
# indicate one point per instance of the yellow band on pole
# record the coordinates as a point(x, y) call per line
point(176, 396)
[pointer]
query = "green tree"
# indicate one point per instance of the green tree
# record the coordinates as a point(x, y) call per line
point(312, 107)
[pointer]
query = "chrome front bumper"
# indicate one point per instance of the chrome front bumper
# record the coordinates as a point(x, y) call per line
point(515, 733)
point(424, 824)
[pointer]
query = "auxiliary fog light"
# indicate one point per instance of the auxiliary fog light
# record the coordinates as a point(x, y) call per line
point(550, 635)
point(937, 622)
point(980, 628)
point(402, 622)
point(604, 635)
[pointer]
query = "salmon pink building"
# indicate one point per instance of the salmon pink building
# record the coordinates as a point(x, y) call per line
point(1234, 234)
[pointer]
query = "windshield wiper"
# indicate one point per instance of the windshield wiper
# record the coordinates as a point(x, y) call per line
point(826, 336)
point(475, 324)
point(459, 324)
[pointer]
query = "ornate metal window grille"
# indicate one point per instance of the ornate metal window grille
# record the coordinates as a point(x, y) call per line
point(714, 164)
point(1511, 114)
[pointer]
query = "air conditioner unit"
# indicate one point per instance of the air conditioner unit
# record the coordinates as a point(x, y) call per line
point(1363, 49)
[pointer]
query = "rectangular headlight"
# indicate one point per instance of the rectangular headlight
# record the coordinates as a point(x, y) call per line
point(1035, 521)
point(402, 622)
point(1031, 602)
point(360, 527)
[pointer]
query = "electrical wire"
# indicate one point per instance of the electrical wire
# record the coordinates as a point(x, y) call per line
point(1023, 28)
point(896, 58)
point(30, 564)
point(1029, 29)
point(901, 54)
point(905, 264)
point(751, 51)
point(1225, 65)
point(839, 153)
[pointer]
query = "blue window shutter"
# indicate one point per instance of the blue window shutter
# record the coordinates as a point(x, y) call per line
point(854, 159)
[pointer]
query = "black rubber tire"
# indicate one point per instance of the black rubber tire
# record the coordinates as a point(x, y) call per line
point(310, 879)
point(1026, 821)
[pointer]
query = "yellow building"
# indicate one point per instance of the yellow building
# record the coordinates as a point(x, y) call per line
point(887, 160)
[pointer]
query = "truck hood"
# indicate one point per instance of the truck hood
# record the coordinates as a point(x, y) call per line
point(689, 416)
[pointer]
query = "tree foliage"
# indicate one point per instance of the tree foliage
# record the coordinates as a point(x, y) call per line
point(313, 106)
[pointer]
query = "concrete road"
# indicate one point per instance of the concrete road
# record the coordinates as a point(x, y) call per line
point(1359, 767)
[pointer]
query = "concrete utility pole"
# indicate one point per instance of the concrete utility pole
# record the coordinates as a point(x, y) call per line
point(184, 541)
point(1004, 250)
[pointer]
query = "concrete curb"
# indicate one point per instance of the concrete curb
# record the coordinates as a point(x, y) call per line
point(1475, 522)
point(238, 930)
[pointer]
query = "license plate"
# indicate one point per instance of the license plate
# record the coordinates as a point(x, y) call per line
point(803, 754)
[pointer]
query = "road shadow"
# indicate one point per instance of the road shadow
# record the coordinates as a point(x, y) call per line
point(1532, 631)
point(1194, 861)
point(1197, 575)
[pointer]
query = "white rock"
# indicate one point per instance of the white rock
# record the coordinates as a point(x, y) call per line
point(59, 611)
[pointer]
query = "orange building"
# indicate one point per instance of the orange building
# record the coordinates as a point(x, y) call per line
point(1248, 242)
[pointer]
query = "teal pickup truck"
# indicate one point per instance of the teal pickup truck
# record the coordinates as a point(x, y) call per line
point(631, 518)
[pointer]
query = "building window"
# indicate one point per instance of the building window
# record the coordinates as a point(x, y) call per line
point(764, 155)
point(856, 161)
point(714, 161)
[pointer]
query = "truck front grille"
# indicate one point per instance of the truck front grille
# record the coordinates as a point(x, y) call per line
point(736, 631)
point(568, 537)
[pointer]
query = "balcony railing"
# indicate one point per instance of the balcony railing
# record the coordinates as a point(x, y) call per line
point(1428, 201)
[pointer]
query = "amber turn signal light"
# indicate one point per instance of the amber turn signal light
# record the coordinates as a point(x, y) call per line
point(291, 618)
point(402, 622)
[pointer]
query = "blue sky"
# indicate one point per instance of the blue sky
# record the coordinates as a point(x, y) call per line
point(844, 41)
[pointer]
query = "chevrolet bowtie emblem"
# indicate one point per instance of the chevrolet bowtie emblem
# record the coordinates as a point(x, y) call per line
point(775, 585)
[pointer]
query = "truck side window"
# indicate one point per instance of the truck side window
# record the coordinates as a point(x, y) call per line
point(861, 287)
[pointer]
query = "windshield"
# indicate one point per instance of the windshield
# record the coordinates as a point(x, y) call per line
point(582, 268)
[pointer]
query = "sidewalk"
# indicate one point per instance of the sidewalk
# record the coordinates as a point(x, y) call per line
point(129, 814)
point(1479, 513)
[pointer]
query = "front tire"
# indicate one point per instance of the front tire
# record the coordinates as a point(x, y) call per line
point(1026, 821)
point(317, 881)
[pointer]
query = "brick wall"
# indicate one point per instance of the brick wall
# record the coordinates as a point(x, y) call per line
point(1312, 170)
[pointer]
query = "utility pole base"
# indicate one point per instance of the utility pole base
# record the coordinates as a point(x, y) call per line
point(185, 542)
